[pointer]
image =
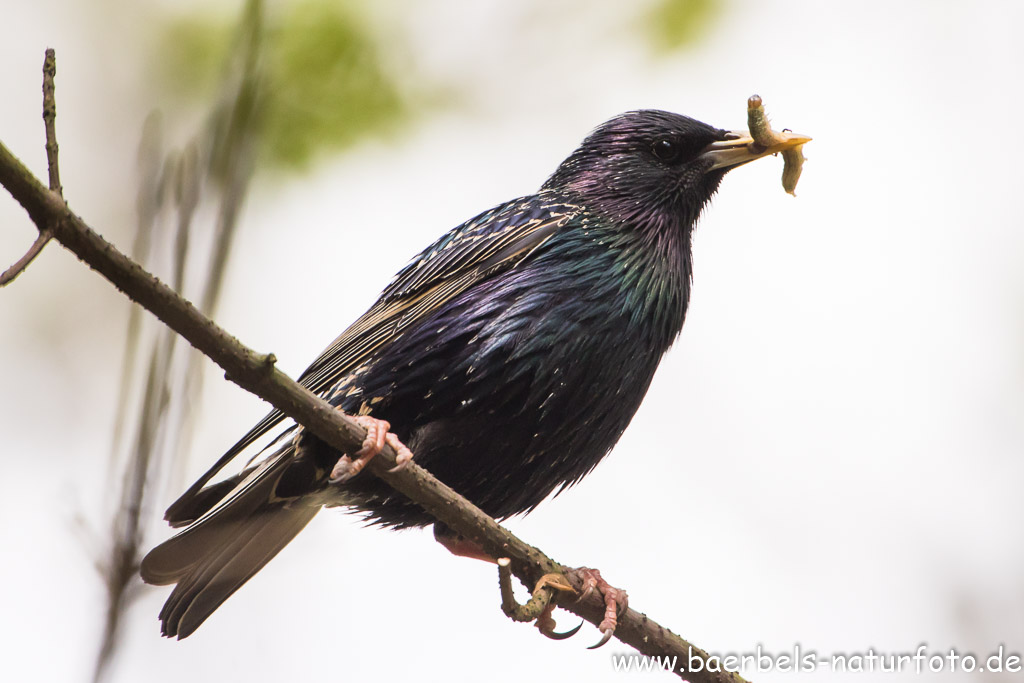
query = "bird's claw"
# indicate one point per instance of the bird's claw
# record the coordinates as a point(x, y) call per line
point(344, 469)
point(403, 456)
point(606, 635)
point(546, 625)
point(377, 436)
point(545, 622)
point(615, 602)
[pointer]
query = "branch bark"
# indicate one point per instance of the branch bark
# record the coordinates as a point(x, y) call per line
point(257, 374)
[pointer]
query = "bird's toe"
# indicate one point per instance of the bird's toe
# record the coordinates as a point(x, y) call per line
point(615, 601)
point(377, 436)
point(403, 456)
point(546, 625)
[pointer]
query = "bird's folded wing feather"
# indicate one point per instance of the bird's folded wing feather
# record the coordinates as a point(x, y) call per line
point(493, 242)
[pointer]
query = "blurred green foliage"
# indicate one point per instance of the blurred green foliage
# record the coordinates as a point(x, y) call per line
point(321, 80)
point(315, 72)
point(673, 24)
point(327, 83)
point(189, 55)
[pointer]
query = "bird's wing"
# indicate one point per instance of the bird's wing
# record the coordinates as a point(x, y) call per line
point(492, 242)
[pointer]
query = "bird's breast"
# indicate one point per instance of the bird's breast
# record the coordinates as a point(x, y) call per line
point(522, 384)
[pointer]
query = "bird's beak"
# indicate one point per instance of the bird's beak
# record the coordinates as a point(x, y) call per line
point(739, 148)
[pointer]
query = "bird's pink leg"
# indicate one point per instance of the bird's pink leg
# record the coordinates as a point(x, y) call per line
point(615, 601)
point(377, 435)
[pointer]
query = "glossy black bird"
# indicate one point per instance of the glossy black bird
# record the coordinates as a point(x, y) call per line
point(509, 355)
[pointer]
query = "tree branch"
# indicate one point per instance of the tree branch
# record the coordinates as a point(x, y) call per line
point(49, 116)
point(257, 374)
point(19, 266)
point(49, 120)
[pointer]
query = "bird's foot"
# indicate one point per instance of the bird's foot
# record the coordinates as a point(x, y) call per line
point(546, 622)
point(546, 625)
point(377, 435)
point(615, 601)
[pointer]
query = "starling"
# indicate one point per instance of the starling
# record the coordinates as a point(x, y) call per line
point(509, 356)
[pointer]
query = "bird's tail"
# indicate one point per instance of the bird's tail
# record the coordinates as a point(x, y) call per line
point(227, 545)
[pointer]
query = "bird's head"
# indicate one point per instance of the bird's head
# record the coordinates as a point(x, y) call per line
point(652, 168)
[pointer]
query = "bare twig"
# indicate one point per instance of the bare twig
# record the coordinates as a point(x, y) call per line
point(7, 277)
point(121, 567)
point(49, 115)
point(539, 599)
point(49, 120)
point(542, 600)
point(149, 198)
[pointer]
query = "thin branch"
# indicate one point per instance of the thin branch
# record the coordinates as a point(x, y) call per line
point(7, 277)
point(120, 569)
point(539, 599)
point(152, 173)
point(257, 374)
point(49, 116)
point(49, 120)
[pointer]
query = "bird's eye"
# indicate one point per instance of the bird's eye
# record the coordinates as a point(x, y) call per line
point(666, 150)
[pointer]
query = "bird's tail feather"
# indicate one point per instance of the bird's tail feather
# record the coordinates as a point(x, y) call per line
point(188, 509)
point(213, 557)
